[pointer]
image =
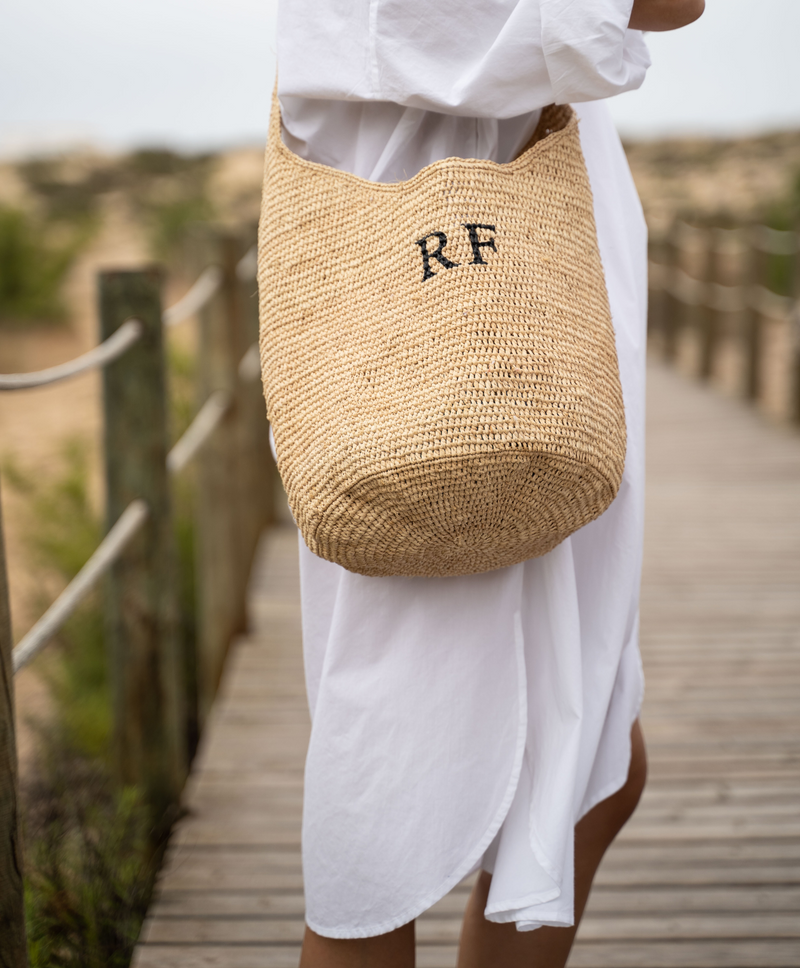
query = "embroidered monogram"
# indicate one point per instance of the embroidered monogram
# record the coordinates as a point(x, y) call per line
point(438, 254)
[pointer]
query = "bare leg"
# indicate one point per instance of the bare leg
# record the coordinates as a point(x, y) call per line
point(393, 950)
point(485, 944)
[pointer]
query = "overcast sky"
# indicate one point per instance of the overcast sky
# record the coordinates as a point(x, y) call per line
point(198, 73)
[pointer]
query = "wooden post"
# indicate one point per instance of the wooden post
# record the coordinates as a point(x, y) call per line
point(141, 602)
point(656, 296)
point(13, 946)
point(260, 471)
point(751, 342)
point(794, 323)
point(709, 313)
point(672, 307)
point(221, 572)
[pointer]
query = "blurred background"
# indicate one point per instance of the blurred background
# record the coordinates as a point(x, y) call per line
point(124, 124)
point(196, 76)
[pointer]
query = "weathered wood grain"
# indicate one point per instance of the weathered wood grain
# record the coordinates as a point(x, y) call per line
point(707, 874)
point(148, 694)
point(13, 947)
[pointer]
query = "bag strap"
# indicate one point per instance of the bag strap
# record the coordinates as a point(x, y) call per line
point(554, 117)
point(274, 139)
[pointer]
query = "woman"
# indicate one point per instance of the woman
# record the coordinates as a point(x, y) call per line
point(488, 722)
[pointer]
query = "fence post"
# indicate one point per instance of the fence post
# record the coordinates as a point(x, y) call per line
point(141, 601)
point(709, 318)
point(752, 317)
point(13, 947)
point(794, 323)
point(220, 569)
point(672, 307)
point(657, 282)
point(260, 471)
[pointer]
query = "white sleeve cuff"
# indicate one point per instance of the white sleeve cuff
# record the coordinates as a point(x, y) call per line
point(589, 51)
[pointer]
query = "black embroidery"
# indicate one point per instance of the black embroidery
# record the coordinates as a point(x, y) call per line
point(437, 254)
point(477, 245)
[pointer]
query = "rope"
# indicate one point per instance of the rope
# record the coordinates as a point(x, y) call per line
point(205, 286)
point(248, 265)
point(204, 424)
point(104, 556)
point(769, 303)
point(101, 355)
point(762, 237)
point(200, 429)
point(726, 299)
point(114, 543)
point(773, 241)
point(250, 365)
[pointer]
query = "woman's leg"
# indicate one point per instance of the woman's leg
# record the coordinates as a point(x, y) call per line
point(393, 950)
point(485, 944)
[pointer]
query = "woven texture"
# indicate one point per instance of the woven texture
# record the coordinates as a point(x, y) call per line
point(438, 357)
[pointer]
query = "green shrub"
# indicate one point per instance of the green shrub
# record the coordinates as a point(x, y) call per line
point(89, 847)
point(32, 269)
point(88, 851)
point(63, 530)
point(169, 193)
point(89, 868)
point(64, 197)
point(169, 222)
point(783, 215)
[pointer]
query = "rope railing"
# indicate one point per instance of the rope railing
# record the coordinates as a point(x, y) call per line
point(715, 295)
point(714, 308)
point(201, 291)
point(204, 287)
point(164, 664)
point(205, 422)
point(761, 237)
point(248, 265)
point(250, 365)
point(106, 553)
point(109, 350)
point(114, 543)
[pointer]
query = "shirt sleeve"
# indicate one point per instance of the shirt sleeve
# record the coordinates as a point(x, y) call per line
point(589, 50)
point(486, 58)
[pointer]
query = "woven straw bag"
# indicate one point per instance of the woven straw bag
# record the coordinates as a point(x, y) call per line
point(438, 356)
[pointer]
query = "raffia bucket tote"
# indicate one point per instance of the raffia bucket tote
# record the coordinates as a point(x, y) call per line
point(438, 356)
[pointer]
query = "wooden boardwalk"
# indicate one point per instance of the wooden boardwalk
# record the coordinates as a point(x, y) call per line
point(707, 875)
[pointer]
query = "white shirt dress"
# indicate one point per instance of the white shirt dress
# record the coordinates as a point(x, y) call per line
point(465, 722)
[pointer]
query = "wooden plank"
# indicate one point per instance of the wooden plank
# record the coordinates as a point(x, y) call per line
point(707, 875)
point(604, 901)
point(693, 954)
point(737, 954)
point(446, 930)
point(216, 956)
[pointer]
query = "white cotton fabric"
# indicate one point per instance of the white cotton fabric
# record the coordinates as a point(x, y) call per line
point(469, 721)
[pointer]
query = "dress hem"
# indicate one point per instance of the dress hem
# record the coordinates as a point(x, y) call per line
point(474, 857)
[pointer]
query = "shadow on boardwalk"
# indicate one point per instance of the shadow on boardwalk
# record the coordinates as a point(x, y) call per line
point(707, 873)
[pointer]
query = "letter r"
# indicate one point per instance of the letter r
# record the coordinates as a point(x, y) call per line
point(437, 254)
